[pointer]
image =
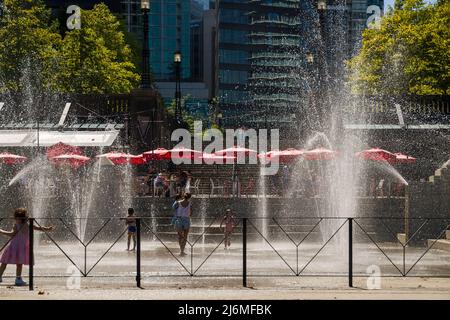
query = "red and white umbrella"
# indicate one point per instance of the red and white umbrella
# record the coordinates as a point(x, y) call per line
point(73, 160)
point(215, 158)
point(320, 154)
point(377, 154)
point(61, 148)
point(157, 154)
point(235, 151)
point(138, 160)
point(9, 158)
point(185, 153)
point(120, 158)
point(284, 156)
point(403, 158)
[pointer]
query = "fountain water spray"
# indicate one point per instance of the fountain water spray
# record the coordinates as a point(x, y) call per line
point(262, 206)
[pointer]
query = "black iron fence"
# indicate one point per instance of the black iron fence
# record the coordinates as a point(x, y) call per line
point(279, 245)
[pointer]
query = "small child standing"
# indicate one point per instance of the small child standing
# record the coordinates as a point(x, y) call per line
point(131, 224)
point(230, 223)
point(18, 250)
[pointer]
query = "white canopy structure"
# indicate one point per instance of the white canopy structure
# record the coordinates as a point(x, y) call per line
point(400, 126)
point(48, 134)
point(29, 138)
point(397, 127)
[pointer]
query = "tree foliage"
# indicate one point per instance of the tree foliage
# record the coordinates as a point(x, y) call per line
point(96, 58)
point(408, 53)
point(93, 59)
point(28, 39)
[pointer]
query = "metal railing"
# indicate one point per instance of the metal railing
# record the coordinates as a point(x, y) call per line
point(146, 225)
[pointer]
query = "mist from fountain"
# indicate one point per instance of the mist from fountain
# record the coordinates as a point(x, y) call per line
point(74, 195)
point(36, 182)
point(126, 185)
point(389, 170)
point(203, 215)
point(153, 215)
point(262, 205)
point(333, 186)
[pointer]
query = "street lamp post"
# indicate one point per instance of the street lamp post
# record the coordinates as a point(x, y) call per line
point(217, 113)
point(38, 134)
point(127, 130)
point(219, 119)
point(145, 79)
point(322, 77)
point(312, 88)
point(310, 58)
point(321, 10)
point(321, 5)
point(177, 63)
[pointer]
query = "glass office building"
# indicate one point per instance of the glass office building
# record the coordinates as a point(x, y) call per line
point(262, 52)
point(275, 81)
point(196, 43)
point(234, 51)
point(358, 20)
point(169, 32)
point(260, 56)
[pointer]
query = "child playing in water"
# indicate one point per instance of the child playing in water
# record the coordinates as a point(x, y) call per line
point(182, 219)
point(230, 223)
point(131, 224)
point(18, 250)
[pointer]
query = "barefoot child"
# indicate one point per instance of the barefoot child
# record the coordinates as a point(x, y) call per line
point(18, 250)
point(131, 224)
point(182, 220)
point(230, 223)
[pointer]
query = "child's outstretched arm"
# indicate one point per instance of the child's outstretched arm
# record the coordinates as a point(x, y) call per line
point(43, 229)
point(8, 233)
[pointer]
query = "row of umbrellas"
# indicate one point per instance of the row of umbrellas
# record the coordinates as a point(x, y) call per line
point(65, 154)
point(374, 154)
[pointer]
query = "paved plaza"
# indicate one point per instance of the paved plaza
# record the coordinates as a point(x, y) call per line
point(217, 274)
point(222, 289)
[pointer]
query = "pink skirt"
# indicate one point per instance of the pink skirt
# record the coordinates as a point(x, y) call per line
point(17, 251)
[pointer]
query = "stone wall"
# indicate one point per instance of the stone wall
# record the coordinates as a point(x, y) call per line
point(428, 199)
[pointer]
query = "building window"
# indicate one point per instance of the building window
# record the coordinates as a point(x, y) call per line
point(233, 36)
point(233, 16)
point(233, 96)
point(233, 76)
point(233, 56)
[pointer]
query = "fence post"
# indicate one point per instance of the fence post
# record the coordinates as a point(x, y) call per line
point(31, 254)
point(350, 252)
point(244, 252)
point(138, 252)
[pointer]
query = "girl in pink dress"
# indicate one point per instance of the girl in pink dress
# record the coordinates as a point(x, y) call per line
point(18, 249)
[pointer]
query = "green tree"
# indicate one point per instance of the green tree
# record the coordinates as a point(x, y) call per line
point(29, 42)
point(96, 57)
point(408, 53)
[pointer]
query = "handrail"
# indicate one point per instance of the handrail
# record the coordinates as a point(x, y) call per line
point(145, 224)
point(249, 217)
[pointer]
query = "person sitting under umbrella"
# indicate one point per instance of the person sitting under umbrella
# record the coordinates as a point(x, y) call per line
point(182, 181)
point(160, 183)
